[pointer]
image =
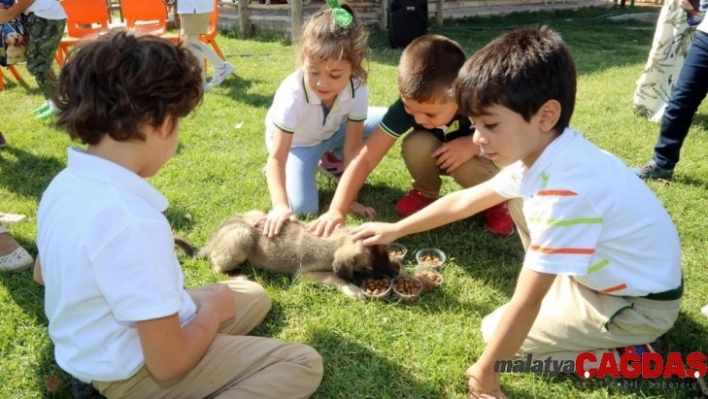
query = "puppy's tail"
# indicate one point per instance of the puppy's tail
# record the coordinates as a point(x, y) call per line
point(189, 249)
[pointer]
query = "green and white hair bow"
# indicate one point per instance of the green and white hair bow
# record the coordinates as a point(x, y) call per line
point(341, 16)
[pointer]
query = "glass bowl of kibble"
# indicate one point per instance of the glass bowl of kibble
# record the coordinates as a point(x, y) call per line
point(430, 277)
point(396, 251)
point(377, 287)
point(431, 257)
point(407, 288)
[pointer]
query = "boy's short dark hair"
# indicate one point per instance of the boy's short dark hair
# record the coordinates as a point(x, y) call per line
point(428, 69)
point(520, 70)
point(117, 82)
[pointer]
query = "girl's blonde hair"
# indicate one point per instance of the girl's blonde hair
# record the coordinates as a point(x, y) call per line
point(323, 39)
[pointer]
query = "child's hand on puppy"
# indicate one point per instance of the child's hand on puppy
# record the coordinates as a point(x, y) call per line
point(375, 233)
point(324, 225)
point(275, 219)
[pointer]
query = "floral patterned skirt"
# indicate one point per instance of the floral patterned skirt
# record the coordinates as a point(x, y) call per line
point(672, 39)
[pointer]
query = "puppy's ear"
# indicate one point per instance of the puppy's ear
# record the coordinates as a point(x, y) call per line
point(382, 263)
point(344, 262)
point(343, 269)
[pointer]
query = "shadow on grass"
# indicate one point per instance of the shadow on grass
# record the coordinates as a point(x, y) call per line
point(352, 370)
point(682, 337)
point(180, 218)
point(27, 174)
point(29, 296)
point(11, 82)
point(26, 294)
point(681, 178)
point(381, 197)
point(699, 120)
point(238, 89)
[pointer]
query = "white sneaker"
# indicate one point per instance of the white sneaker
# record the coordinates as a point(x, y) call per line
point(221, 73)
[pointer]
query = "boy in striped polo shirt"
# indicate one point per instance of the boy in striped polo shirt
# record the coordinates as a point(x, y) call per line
point(603, 263)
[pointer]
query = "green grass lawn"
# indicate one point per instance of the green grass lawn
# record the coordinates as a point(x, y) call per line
point(370, 349)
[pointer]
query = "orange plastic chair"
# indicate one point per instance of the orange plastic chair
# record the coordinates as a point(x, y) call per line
point(148, 16)
point(84, 18)
point(14, 73)
point(209, 38)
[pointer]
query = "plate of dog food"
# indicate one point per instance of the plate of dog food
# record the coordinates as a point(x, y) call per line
point(406, 287)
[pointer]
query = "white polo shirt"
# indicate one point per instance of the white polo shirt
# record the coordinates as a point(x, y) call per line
point(589, 216)
point(108, 261)
point(298, 111)
point(47, 9)
point(195, 6)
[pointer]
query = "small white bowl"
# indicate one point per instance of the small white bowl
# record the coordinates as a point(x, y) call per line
point(384, 294)
point(423, 257)
point(396, 251)
point(407, 298)
point(430, 277)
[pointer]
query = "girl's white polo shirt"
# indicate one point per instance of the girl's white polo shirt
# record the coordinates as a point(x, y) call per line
point(298, 111)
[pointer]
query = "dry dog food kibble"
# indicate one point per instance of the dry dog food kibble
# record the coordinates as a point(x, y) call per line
point(395, 252)
point(376, 286)
point(431, 280)
point(430, 260)
point(408, 286)
point(429, 275)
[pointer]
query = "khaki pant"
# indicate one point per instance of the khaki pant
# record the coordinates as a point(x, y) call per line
point(417, 149)
point(517, 215)
point(574, 319)
point(191, 26)
point(235, 365)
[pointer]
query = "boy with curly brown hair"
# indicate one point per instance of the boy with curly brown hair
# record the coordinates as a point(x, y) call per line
point(118, 314)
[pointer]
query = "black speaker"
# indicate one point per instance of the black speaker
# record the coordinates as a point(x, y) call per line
point(407, 19)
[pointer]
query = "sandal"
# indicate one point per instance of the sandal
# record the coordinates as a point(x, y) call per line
point(9, 218)
point(17, 260)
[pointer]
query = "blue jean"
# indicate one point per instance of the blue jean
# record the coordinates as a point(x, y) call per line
point(688, 93)
point(301, 167)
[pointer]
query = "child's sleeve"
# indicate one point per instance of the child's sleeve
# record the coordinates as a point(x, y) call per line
point(138, 273)
point(507, 182)
point(396, 122)
point(565, 231)
point(287, 109)
point(360, 104)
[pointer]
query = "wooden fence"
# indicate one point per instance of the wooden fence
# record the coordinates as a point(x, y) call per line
point(247, 15)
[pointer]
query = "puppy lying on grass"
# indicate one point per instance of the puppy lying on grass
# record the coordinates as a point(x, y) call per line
point(332, 260)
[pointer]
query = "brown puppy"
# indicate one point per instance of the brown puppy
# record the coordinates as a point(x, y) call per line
point(330, 260)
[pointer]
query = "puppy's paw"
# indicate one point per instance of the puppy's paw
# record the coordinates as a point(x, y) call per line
point(353, 292)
